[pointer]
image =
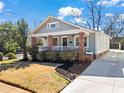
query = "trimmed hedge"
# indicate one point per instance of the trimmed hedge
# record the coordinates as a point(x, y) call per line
point(57, 56)
point(1, 56)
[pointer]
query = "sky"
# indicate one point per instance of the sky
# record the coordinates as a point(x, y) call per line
point(34, 11)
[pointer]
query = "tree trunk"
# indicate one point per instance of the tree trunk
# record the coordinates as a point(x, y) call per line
point(25, 57)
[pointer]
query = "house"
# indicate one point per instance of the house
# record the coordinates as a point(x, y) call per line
point(59, 35)
point(116, 43)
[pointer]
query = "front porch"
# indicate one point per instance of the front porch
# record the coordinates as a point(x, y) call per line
point(64, 41)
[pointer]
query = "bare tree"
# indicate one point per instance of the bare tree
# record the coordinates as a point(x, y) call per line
point(114, 25)
point(94, 17)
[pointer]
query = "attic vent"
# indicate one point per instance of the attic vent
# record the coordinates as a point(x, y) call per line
point(53, 25)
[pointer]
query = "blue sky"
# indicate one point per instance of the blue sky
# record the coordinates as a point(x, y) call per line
point(34, 11)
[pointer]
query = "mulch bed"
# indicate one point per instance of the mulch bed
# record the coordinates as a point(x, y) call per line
point(71, 70)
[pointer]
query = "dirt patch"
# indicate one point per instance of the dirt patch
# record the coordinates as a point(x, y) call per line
point(71, 70)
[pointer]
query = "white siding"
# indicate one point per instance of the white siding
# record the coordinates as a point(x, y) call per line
point(101, 42)
point(62, 27)
point(92, 42)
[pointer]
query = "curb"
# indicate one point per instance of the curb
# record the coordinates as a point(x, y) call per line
point(17, 86)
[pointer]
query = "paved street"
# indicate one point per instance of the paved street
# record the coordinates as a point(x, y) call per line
point(104, 75)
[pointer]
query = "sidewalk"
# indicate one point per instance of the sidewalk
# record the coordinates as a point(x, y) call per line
point(4, 88)
point(105, 75)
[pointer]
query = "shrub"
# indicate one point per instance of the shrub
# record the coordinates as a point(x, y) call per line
point(40, 56)
point(67, 55)
point(52, 55)
point(11, 56)
point(57, 56)
point(48, 56)
point(1, 56)
point(33, 51)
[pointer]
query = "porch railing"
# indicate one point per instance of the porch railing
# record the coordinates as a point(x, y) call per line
point(64, 48)
point(58, 48)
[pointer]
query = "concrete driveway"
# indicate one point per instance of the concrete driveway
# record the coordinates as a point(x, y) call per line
point(104, 75)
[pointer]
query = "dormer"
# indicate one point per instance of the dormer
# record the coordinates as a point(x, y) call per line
point(53, 25)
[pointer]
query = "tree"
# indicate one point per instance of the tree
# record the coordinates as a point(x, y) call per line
point(6, 37)
point(21, 36)
point(94, 17)
point(114, 25)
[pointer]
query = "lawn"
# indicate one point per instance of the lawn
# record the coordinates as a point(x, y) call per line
point(35, 76)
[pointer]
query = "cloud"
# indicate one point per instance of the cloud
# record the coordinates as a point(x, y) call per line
point(1, 20)
point(1, 6)
point(109, 15)
point(122, 4)
point(8, 14)
point(109, 2)
point(60, 17)
point(69, 11)
point(78, 20)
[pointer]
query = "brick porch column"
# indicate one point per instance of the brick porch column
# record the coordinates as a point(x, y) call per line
point(50, 42)
point(33, 41)
point(81, 46)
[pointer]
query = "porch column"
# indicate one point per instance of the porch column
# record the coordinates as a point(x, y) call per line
point(33, 41)
point(50, 42)
point(81, 47)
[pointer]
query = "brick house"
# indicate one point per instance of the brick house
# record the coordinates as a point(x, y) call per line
point(59, 35)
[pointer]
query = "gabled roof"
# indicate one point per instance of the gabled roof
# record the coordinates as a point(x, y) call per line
point(49, 17)
point(79, 27)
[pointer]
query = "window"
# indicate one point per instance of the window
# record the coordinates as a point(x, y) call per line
point(77, 41)
point(53, 25)
point(85, 41)
point(65, 41)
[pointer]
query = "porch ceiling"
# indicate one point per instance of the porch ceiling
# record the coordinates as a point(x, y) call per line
point(60, 33)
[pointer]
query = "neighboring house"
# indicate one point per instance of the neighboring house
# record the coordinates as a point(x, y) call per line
point(116, 43)
point(59, 35)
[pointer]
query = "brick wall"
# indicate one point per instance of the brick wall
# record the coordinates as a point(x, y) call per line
point(50, 42)
point(81, 47)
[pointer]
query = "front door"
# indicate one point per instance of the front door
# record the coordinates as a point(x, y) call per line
point(65, 41)
point(55, 41)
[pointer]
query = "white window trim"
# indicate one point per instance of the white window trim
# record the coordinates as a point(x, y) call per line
point(49, 25)
point(87, 42)
point(62, 40)
point(78, 36)
point(75, 40)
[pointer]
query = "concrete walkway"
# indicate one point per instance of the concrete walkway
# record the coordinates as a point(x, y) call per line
point(10, 89)
point(104, 75)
